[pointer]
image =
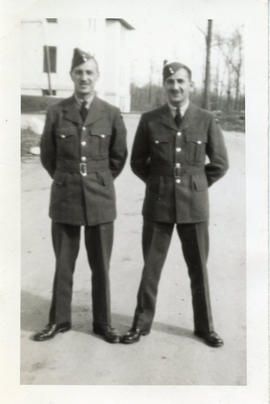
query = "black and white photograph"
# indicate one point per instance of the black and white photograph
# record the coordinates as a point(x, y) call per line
point(141, 203)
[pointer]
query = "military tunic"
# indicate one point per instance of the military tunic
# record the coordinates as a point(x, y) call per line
point(83, 158)
point(172, 162)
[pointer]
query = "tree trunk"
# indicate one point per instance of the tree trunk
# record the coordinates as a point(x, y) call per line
point(206, 95)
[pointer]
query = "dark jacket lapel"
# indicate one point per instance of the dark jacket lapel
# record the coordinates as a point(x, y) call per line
point(165, 117)
point(71, 111)
point(189, 116)
point(96, 111)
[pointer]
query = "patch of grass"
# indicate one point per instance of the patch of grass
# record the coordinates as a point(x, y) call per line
point(232, 122)
point(28, 139)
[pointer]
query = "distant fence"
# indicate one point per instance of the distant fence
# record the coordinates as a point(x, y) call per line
point(38, 104)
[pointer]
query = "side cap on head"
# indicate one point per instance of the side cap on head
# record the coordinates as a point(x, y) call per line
point(171, 68)
point(79, 57)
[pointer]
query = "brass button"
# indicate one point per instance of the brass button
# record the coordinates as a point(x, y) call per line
point(178, 180)
point(83, 127)
point(63, 136)
point(156, 141)
point(83, 158)
point(178, 149)
point(177, 165)
point(83, 143)
point(102, 135)
point(179, 133)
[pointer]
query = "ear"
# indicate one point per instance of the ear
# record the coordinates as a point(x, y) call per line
point(70, 73)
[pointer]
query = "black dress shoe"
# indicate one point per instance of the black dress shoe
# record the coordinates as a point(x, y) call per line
point(51, 330)
point(133, 335)
point(107, 333)
point(210, 338)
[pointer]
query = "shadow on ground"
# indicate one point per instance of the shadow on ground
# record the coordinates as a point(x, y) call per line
point(35, 309)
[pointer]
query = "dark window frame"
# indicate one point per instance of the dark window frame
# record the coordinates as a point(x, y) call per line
point(45, 91)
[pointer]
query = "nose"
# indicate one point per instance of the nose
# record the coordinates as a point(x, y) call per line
point(84, 76)
point(175, 85)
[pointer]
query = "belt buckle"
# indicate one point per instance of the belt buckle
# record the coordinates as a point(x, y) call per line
point(176, 172)
point(83, 169)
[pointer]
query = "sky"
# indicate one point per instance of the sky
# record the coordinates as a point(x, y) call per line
point(174, 38)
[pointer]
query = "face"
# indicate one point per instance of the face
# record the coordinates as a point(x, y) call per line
point(178, 87)
point(85, 77)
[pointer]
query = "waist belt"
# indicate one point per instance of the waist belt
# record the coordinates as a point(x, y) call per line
point(177, 171)
point(76, 167)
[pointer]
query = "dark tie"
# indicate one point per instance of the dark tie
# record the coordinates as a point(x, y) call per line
point(178, 117)
point(83, 110)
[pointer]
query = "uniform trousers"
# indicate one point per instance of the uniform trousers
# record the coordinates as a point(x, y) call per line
point(156, 239)
point(98, 243)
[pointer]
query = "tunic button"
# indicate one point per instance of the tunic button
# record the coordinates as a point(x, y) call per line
point(177, 165)
point(178, 180)
point(83, 127)
point(103, 136)
point(179, 133)
point(83, 158)
point(178, 149)
point(83, 143)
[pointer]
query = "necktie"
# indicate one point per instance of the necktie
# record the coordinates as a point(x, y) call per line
point(83, 110)
point(177, 117)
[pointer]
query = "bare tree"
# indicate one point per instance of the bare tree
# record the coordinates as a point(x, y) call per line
point(232, 51)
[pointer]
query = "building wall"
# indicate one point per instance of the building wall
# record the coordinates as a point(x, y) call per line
point(104, 40)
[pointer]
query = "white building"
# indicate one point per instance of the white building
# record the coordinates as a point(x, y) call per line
point(54, 39)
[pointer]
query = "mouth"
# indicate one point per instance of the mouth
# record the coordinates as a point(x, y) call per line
point(175, 94)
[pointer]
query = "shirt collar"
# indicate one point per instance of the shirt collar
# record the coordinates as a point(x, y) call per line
point(183, 108)
point(88, 100)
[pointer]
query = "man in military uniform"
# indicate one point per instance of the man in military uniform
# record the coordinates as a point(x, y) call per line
point(169, 153)
point(83, 148)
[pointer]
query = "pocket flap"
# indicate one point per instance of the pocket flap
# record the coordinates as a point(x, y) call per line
point(196, 140)
point(200, 182)
point(160, 139)
point(101, 132)
point(65, 132)
point(194, 135)
point(102, 178)
point(59, 178)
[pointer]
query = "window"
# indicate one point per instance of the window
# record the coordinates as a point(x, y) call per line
point(49, 52)
point(53, 20)
point(46, 92)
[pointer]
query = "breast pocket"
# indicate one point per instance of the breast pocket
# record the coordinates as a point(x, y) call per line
point(66, 140)
point(99, 139)
point(160, 148)
point(195, 150)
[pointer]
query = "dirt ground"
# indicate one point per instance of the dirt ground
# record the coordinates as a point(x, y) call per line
point(170, 355)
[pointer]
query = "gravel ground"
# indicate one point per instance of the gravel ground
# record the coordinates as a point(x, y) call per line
point(170, 355)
